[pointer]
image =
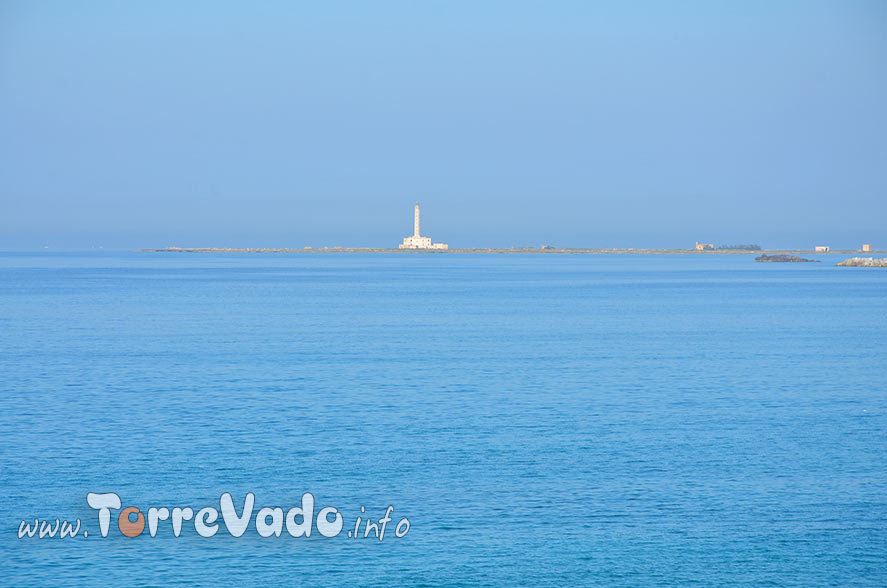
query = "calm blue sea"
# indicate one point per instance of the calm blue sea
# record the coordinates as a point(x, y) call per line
point(547, 420)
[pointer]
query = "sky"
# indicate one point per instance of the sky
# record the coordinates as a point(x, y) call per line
point(577, 124)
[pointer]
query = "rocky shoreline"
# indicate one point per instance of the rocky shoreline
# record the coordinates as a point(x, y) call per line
point(864, 262)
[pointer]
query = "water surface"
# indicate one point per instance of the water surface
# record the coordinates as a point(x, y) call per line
point(541, 420)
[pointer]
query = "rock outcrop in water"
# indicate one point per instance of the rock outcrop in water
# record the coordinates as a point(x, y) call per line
point(782, 258)
point(864, 262)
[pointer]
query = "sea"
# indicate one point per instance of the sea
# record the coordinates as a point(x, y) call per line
point(537, 420)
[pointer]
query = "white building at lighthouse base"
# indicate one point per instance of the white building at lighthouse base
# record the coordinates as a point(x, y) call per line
point(413, 242)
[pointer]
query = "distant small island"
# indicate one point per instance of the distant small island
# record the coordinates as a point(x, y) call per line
point(864, 262)
point(783, 258)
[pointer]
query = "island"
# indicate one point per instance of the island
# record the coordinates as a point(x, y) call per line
point(783, 258)
point(544, 250)
point(864, 262)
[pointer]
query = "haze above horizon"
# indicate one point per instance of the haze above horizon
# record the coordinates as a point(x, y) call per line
point(574, 124)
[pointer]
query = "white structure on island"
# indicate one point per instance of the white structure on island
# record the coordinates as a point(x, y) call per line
point(416, 240)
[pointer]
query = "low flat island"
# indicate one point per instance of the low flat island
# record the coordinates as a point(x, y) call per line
point(501, 250)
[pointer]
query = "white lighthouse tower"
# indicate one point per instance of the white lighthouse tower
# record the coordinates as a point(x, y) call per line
point(416, 240)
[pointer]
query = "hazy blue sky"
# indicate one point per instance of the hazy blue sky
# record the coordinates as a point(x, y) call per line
point(611, 124)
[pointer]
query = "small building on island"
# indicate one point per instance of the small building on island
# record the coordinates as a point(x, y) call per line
point(866, 247)
point(821, 249)
point(416, 240)
point(704, 246)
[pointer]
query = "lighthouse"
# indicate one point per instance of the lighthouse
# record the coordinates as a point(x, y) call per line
point(416, 240)
point(416, 221)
